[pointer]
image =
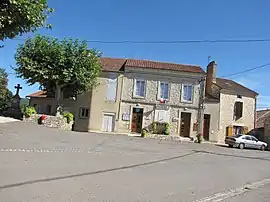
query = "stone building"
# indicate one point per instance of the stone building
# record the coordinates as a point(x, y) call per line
point(230, 107)
point(131, 96)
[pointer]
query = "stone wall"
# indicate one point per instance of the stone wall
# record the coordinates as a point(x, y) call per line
point(267, 132)
point(51, 121)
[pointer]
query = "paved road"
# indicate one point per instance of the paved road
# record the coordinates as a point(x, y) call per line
point(42, 164)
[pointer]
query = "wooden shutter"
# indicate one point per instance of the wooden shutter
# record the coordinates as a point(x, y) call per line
point(229, 131)
point(111, 90)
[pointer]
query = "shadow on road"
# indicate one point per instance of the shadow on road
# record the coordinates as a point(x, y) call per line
point(94, 172)
point(233, 155)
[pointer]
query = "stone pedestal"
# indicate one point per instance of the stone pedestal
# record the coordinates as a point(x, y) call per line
point(15, 110)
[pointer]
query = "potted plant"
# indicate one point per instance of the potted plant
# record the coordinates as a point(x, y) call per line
point(167, 129)
point(29, 111)
point(144, 133)
point(199, 138)
point(68, 115)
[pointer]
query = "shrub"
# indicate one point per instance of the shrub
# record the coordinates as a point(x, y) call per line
point(68, 115)
point(154, 127)
point(144, 133)
point(29, 111)
point(167, 129)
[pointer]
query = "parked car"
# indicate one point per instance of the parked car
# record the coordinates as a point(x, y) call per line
point(245, 141)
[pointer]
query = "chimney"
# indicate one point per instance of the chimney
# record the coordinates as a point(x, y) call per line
point(211, 77)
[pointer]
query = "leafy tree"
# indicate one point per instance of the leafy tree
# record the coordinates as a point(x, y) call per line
point(21, 16)
point(58, 64)
point(5, 94)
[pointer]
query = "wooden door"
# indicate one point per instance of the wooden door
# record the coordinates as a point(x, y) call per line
point(107, 123)
point(185, 124)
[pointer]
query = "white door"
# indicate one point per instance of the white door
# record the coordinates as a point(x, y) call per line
point(107, 125)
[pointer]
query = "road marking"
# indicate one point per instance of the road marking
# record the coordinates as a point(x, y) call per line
point(38, 150)
point(234, 192)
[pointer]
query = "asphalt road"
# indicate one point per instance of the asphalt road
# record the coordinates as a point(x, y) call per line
point(42, 164)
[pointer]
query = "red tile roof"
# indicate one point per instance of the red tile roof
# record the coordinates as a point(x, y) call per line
point(117, 64)
point(38, 94)
point(235, 87)
point(112, 64)
point(163, 65)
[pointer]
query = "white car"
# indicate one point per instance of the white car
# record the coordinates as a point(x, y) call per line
point(245, 141)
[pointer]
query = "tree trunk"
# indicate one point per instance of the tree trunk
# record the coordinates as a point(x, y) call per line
point(58, 96)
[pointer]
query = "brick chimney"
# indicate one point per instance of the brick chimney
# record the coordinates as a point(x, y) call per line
point(211, 77)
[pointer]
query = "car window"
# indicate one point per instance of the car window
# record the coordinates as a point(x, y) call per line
point(253, 138)
point(237, 136)
point(246, 138)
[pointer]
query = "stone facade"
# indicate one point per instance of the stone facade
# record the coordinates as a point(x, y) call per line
point(222, 115)
point(151, 99)
point(51, 122)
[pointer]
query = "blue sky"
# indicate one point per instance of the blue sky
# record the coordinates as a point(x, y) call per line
point(113, 20)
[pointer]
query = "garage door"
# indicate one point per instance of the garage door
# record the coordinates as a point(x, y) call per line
point(107, 124)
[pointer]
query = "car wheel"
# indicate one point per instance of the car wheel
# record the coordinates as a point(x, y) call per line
point(230, 145)
point(241, 146)
point(262, 147)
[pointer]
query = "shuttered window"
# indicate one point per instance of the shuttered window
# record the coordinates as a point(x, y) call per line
point(238, 110)
point(111, 90)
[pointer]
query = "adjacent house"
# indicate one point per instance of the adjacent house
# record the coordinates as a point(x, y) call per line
point(132, 94)
point(230, 107)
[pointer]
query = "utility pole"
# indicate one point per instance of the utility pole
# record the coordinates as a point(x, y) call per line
point(201, 106)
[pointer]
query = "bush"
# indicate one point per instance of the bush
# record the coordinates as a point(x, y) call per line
point(144, 133)
point(68, 115)
point(154, 127)
point(167, 129)
point(29, 111)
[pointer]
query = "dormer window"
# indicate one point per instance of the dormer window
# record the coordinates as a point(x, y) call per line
point(238, 110)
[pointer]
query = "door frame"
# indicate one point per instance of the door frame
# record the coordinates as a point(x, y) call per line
point(113, 120)
point(131, 115)
point(180, 122)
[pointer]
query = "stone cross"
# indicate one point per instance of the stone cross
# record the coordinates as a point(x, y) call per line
point(18, 88)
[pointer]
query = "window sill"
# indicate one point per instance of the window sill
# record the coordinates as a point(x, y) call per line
point(138, 97)
point(186, 101)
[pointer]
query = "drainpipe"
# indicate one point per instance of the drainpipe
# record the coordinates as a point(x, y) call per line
point(201, 105)
point(121, 95)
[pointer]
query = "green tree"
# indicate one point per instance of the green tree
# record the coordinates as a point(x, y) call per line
point(58, 64)
point(5, 94)
point(21, 16)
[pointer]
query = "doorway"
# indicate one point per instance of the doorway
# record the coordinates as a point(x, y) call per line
point(108, 123)
point(206, 126)
point(137, 119)
point(185, 124)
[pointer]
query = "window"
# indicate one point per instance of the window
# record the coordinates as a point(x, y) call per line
point(163, 90)
point(238, 110)
point(246, 138)
point(253, 138)
point(84, 112)
point(187, 93)
point(140, 88)
point(111, 90)
point(239, 96)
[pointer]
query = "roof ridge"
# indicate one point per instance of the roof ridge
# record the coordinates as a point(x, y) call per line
point(164, 62)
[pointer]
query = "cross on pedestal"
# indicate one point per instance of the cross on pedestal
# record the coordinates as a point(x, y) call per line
point(18, 88)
